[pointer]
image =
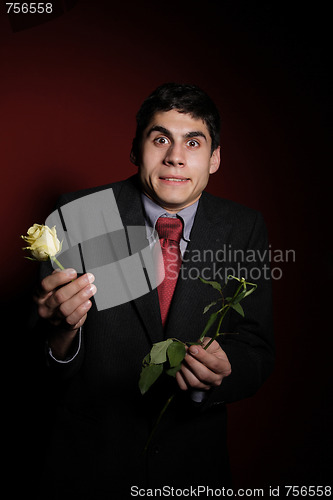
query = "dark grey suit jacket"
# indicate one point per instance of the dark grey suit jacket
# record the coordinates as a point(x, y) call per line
point(103, 421)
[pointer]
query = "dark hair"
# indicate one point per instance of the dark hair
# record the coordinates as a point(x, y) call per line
point(185, 99)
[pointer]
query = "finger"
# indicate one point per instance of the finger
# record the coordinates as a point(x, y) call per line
point(213, 346)
point(56, 279)
point(191, 379)
point(68, 291)
point(78, 317)
point(40, 293)
point(200, 372)
point(181, 381)
point(79, 299)
point(40, 297)
point(215, 359)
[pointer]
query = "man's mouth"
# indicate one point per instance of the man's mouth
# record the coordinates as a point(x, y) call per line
point(175, 179)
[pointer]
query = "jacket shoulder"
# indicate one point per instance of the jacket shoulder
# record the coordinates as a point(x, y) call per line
point(75, 195)
point(229, 210)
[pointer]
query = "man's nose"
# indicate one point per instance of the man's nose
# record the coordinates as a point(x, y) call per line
point(175, 156)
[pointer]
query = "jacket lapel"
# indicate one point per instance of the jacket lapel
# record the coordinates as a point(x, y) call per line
point(131, 211)
point(209, 232)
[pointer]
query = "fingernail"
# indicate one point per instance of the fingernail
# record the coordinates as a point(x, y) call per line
point(70, 272)
point(91, 290)
point(90, 277)
point(193, 350)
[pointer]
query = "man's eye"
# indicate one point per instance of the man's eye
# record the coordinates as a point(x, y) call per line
point(193, 143)
point(161, 140)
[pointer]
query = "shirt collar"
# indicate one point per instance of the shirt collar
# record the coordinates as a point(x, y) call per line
point(153, 211)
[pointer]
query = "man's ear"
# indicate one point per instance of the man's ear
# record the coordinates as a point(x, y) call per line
point(134, 156)
point(214, 161)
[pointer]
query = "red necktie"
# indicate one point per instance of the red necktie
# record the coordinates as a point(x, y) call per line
point(169, 231)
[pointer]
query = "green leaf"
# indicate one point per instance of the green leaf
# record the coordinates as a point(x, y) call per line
point(149, 374)
point(172, 371)
point(158, 351)
point(212, 318)
point(238, 308)
point(209, 306)
point(243, 294)
point(214, 284)
point(176, 353)
point(239, 297)
point(146, 360)
point(250, 291)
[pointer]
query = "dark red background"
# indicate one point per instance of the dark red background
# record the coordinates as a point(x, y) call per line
point(69, 91)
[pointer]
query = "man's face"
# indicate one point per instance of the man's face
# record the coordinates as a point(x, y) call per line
point(176, 159)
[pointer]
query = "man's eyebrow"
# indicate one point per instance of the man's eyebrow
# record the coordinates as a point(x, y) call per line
point(165, 131)
point(195, 133)
point(159, 128)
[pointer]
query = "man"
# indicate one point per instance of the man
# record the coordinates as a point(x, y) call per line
point(94, 357)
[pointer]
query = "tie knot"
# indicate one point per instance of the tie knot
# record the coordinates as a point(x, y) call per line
point(169, 228)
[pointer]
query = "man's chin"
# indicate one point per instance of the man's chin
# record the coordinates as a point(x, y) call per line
point(173, 204)
point(169, 201)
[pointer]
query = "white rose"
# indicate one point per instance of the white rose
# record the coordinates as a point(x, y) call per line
point(43, 242)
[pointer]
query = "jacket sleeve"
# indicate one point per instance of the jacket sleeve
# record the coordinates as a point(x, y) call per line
point(42, 329)
point(250, 346)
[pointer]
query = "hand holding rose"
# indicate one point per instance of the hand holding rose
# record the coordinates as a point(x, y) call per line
point(203, 369)
point(62, 298)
